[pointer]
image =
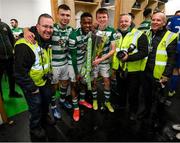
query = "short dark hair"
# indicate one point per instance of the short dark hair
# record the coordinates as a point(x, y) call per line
point(86, 14)
point(178, 11)
point(64, 7)
point(147, 11)
point(102, 11)
point(13, 19)
point(44, 15)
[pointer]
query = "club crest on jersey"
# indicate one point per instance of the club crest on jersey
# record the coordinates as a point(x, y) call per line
point(61, 41)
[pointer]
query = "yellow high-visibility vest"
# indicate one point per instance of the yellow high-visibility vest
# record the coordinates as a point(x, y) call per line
point(123, 43)
point(161, 53)
point(42, 62)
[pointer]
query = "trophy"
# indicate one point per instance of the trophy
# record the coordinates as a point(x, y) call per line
point(100, 39)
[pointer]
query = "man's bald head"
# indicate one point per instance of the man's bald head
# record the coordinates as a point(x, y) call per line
point(158, 21)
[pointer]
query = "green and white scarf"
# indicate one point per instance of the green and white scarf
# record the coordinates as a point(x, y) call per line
point(87, 66)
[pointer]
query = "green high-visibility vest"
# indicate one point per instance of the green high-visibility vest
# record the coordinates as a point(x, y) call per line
point(42, 62)
point(161, 53)
point(123, 43)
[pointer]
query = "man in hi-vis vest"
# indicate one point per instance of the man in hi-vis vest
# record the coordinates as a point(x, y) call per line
point(128, 61)
point(160, 62)
point(33, 74)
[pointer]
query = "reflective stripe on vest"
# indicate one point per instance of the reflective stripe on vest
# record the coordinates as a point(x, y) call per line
point(161, 53)
point(123, 44)
point(37, 71)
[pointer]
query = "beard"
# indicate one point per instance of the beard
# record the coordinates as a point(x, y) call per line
point(124, 29)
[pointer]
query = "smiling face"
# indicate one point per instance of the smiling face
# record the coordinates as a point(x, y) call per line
point(102, 20)
point(45, 27)
point(64, 17)
point(125, 22)
point(86, 24)
point(158, 21)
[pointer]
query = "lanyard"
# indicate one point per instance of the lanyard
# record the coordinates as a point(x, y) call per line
point(150, 42)
point(49, 57)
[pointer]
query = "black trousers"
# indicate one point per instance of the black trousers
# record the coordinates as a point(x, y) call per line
point(6, 66)
point(38, 105)
point(128, 88)
point(148, 87)
point(155, 101)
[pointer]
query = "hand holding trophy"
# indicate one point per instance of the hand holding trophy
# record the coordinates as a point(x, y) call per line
point(100, 41)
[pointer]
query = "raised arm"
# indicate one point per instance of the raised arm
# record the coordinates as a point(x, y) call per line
point(29, 36)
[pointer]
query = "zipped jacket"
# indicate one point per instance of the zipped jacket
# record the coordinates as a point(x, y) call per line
point(6, 42)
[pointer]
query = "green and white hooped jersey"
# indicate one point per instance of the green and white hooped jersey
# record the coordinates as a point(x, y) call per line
point(78, 41)
point(17, 31)
point(60, 45)
point(111, 36)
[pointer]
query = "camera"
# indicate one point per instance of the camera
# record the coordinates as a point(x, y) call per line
point(120, 55)
point(47, 76)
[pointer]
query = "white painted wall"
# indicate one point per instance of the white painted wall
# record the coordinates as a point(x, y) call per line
point(25, 11)
point(172, 6)
point(0, 8)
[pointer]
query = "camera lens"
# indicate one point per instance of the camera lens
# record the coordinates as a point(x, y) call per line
point(120, 55)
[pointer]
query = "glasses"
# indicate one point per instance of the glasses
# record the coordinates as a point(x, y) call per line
point(47, 26)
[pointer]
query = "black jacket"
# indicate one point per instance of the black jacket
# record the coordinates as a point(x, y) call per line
point(6, 42)
point(24, 59)
point(171, 52)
